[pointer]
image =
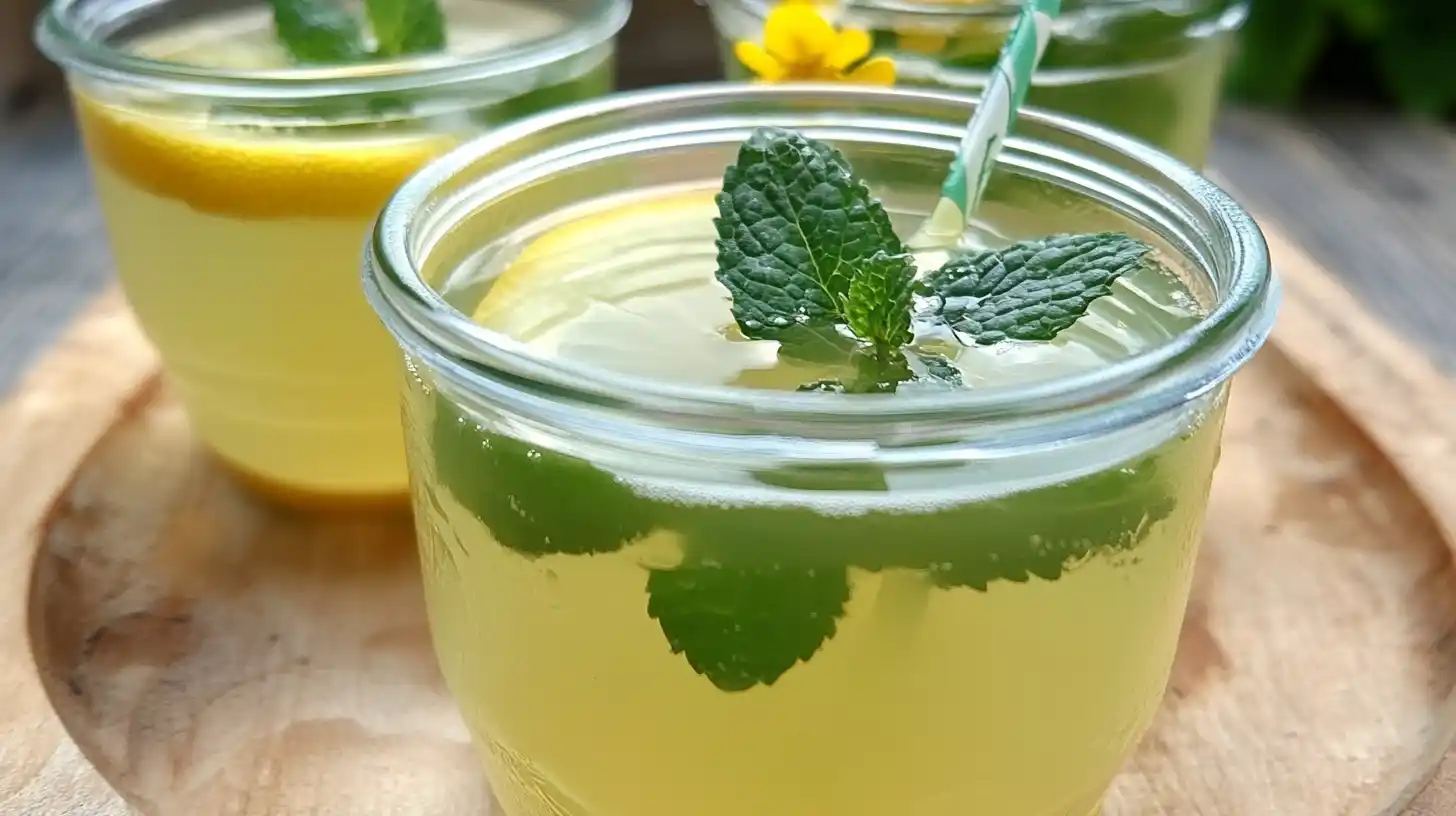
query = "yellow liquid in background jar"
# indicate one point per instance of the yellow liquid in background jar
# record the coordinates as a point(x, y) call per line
point(1020, 700)
point(238, 247)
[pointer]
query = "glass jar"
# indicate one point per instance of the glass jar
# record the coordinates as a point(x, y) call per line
point(656, 597)
point(1150, 68)
point(237, 189)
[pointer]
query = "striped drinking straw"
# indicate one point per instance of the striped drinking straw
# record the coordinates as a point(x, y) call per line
point(971, 168)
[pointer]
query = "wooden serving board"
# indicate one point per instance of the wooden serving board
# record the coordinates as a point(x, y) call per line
point(170, 644)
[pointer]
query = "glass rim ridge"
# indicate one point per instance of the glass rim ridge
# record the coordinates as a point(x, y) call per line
point(1116, 395)
point(60, 36)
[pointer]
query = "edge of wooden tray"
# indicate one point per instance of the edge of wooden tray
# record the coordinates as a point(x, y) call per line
point(1391, 391)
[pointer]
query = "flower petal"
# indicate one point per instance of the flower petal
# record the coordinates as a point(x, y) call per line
point(877, 71)
point(757, 60)
point(797, 33)
point(850, 46)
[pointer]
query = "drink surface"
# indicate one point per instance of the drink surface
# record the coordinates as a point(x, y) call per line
point(651, 639)
point(237, 237)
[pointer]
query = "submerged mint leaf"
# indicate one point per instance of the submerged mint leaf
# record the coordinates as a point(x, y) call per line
point(816, 342)
point(534, 501)
point(875, 373)
point(879, 372)
point(406, 26)
point(878, 307)
point(1041, 532)
point(1033, 289)
point(742, 626)
point(1110, 511)
point(794, 227)
point(318, 31)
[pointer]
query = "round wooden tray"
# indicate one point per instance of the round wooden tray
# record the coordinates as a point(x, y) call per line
point(167, 637)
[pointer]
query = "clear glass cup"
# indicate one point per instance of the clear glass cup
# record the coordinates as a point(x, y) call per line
point(652, 596)
point(1150, 68)
point(237, 190)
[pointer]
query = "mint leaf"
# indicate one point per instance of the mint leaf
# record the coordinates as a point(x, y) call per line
point(878, 307)
point(1033, 289)
point(406, 26)
point(817, 342)
point(875, 373)
point(534, 501)
point(794, 227)
point(1042, 532)
point(742, 626)
point(318, 31)
point(1108, 511)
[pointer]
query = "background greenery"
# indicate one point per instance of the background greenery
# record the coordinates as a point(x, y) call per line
point(1400, 51)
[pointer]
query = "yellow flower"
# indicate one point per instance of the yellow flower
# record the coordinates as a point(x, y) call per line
point(799, 44)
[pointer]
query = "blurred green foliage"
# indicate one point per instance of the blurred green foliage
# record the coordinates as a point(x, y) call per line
point(1409, 44)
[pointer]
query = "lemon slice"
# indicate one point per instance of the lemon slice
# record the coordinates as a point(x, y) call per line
point(260, 176)
point(630, 288)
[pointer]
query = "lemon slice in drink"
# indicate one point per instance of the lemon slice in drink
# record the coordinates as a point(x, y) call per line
point(629, 287)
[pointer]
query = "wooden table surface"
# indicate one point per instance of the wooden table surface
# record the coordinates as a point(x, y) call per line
point(1371, 198)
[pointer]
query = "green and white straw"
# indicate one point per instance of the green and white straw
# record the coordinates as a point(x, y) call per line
point(989, 126)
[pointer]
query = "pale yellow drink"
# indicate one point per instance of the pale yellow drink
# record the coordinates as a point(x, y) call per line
point(236, 236)
point(1002, 643)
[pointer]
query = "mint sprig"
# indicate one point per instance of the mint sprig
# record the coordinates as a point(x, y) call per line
point(322, 32)
point(1032, 290)
point(318, 32)
point(404, 27)
point(532, 500)
point(795, 227)
point(810, 257)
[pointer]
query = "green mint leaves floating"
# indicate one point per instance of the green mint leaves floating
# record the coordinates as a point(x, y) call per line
point(318, 31)
point(812, 261)
point(403, 27)
point(322, 32)
point(806, 251)
point(1032, 290)
point(795, 226)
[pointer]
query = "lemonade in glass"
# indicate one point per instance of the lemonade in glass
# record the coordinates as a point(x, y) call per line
point(1150, 68)
point(238, 179)
point(729, 504)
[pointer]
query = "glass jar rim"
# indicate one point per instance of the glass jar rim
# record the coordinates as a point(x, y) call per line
point(950, 9)
point(1116, 395)
point(61, 35)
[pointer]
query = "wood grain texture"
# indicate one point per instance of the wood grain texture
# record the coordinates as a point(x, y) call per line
point(1369, 197)
point(45, 429)
point(212, 655)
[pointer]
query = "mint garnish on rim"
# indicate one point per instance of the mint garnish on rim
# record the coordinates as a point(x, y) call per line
point(322, 32)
